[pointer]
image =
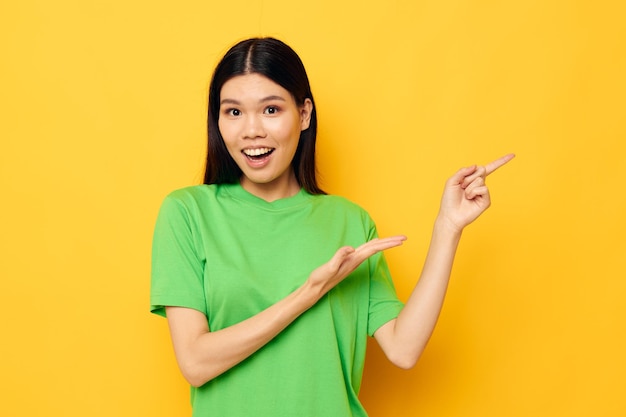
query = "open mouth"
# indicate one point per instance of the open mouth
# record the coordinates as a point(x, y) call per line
point(258, 153)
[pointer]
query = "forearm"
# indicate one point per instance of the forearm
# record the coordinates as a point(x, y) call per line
point(465, 198)
point(202, 354)
point(404, 339)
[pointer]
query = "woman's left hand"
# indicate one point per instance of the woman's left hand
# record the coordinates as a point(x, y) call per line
point(466, 195)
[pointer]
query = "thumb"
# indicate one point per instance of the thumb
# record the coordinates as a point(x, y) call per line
point(339, 256)
point(460, 175)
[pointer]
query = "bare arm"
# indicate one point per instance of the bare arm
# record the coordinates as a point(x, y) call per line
point(465, 197)
point(202, 355)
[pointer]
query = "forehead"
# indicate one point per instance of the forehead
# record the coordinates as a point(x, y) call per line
point(252, 87)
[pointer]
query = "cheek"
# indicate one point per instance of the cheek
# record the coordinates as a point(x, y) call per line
point(288, 129)
point(226, 130)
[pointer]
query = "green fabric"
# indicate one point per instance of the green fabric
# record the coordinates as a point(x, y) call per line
point(224, 252)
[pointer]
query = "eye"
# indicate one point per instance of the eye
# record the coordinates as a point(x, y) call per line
point(232, 112)
point(272, 110)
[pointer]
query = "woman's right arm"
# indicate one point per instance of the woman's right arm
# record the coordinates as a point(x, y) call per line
point(202, 355)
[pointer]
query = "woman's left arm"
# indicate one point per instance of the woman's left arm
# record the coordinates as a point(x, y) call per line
point(465, 197)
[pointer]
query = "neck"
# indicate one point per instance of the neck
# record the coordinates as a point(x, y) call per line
point(272, 191)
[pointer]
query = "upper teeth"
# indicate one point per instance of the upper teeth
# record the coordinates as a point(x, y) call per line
point(257, 151)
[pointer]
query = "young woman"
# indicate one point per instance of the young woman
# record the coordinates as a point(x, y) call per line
point(270, 286)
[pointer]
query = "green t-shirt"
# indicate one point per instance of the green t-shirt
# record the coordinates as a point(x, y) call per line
point(221, 250)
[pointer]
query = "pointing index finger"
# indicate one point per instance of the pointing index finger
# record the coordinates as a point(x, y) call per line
point(492, 166)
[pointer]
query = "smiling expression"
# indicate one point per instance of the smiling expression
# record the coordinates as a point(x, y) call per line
point(261, 124)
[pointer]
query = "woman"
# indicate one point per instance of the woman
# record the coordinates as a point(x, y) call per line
point(270, 286)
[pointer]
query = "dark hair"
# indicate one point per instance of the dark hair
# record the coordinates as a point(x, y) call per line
point(278, 62)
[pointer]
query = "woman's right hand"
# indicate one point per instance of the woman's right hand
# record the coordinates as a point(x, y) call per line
point(346, 260)
point(203, 354)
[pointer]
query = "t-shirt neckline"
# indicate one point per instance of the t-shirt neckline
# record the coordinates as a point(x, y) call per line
point(238, 192)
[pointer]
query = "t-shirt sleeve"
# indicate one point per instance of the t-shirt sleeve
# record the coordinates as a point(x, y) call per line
point(384, 304)
point(177, 274)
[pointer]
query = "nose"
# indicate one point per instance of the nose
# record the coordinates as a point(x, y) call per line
point(254, 127)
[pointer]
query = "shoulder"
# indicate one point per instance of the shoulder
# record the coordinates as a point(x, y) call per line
point(341, 204)
point(186, 202)
point(336, 200)
point(191, 193)
point(192, 196)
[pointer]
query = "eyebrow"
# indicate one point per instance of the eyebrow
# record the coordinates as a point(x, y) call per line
point(263, 100)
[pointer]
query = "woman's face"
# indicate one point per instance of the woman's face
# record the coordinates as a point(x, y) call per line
point(261, 124)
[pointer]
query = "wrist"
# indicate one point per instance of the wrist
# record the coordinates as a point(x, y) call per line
point(445, 227)
point(310, 293)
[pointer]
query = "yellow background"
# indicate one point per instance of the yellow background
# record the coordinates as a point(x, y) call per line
point(103, 113)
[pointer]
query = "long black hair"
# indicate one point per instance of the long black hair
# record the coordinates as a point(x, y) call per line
point(278, 62)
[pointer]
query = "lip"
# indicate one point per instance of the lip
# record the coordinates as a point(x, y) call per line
point(258, 148)
point(258, 163)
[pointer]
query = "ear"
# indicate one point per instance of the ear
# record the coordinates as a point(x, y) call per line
point(305, 114)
